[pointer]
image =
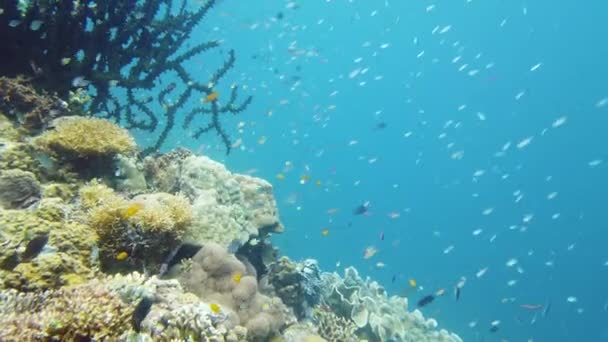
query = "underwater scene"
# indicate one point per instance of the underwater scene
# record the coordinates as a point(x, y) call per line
point(303, 170)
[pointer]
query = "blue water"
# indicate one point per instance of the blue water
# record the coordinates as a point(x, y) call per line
point(442, 125)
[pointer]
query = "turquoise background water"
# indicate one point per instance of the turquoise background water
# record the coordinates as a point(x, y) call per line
point(308, 113)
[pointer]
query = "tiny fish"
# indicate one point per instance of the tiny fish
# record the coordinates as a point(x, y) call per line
point(382, 236)
point(132, 209)
point(457, 293)
point(215, 308)
point(394, 278)
point(325, 232)
point(122, 256)
point(413, 283)
point(211, 97)
point(426, 300)
point(35, 25)
point(237, 277)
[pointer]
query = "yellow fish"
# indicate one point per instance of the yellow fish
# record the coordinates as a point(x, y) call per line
point(132, 209)
point(325, 232)
point(215, 308)
point(237, 277)
point(122, 256)
point(211, 97)
point(412, 283)
point(318, 183)
point(262, 140)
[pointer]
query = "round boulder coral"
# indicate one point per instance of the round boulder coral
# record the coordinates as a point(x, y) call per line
point(18, 189)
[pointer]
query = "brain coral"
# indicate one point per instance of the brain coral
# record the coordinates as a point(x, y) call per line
point(85, 136)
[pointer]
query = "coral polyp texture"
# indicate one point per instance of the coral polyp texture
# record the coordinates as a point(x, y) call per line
point(120, 50)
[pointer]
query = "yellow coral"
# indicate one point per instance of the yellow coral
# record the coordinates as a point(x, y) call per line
point(96, 193)
point(82, 136)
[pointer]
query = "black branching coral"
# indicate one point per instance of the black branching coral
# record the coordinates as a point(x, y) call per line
point(118, 50)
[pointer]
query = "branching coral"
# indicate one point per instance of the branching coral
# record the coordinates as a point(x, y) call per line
point(24, 104)
point(334, 328)
point(78, 313)
point(119, 47)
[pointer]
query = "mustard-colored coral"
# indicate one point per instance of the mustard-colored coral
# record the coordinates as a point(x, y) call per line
point(145, 227)
point(84, 136)
point(87, 312)
point(40, 250)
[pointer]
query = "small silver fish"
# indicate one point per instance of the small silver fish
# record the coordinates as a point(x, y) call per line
point(80, 82)
point(35, 25)
point(14, 23)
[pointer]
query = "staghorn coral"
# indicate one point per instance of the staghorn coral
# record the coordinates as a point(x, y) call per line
point(18, 189)
point(334, 328)
point(75, 313)
point(32, 109)
point(146, 227)
point(135, 45)
point(73, 138)
point(228, 208)
point(212, 278)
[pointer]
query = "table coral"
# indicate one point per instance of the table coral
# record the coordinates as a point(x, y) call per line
point(72, 138)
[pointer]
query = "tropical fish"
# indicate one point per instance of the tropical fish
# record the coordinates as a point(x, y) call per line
point(215, 308)
point(369, 252)
point(440, 292)
point(237, 277)
point(122, 256)
point(325, 232)
point(132, 209)
point(546, 310)
point(382, 236)
point(457, 292)
point(318, 183)
point(413, 283)
point(141, 311)
point(361, 209)
point(426, 300)
point(531, 306)
point(211, 97)
point(280, 176)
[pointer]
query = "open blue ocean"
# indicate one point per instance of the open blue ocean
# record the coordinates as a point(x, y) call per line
point(437, 146)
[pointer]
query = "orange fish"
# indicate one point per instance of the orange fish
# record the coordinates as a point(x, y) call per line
point(211, 97)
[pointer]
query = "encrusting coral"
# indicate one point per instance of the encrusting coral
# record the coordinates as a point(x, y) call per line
point(217, 276)
point(41, 250)
point(228, 208)
point(334, 328)
point(18, 189)
point(79, 137)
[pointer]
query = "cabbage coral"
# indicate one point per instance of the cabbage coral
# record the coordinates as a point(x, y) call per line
point(86, 137)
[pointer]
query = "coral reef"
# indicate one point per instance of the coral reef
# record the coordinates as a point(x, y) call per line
point(73, 137)
point(297, 284)
point(378, 316)
point(218, 276)
point(77, 313)
point(18, 189)
point(228, 208)
point(119, 49)
point(33, 110)
point(146, 228)
point(334, 328)
point(40, 250)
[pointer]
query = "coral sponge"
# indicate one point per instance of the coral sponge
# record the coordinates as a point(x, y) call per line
point(83, 137)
